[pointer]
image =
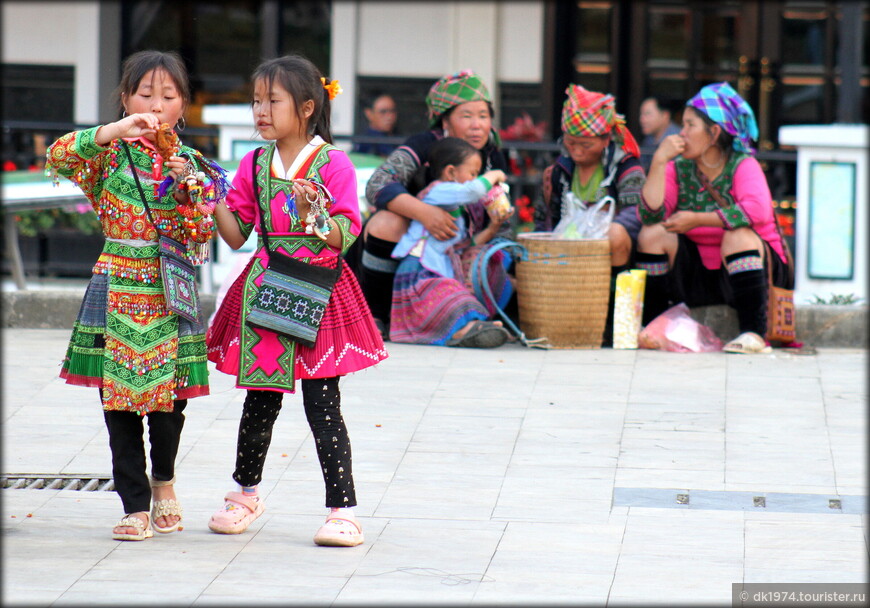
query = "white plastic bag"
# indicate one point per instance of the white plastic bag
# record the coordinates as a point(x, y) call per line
point(586, 222)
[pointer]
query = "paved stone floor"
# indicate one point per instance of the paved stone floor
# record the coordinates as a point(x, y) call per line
point(523, 476)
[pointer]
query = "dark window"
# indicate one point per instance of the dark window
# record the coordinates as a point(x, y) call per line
point(670, 31)
point(516, 99)
point(222, 42)
point(38, 92)
point(718, 49)
point(594, 53)
point(808, 57)
point(409, 95)
point(306, 29)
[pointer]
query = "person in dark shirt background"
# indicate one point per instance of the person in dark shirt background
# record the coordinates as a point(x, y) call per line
point(658, 119)
point(380, 111)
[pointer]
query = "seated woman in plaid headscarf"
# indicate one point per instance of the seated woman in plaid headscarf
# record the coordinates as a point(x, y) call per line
point(459, 106)
point(602, 159)
point(700, 250)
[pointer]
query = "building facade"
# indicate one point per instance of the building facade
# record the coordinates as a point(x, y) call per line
point(796, 62)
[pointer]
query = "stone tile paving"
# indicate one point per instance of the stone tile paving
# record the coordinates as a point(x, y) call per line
point(523, 476)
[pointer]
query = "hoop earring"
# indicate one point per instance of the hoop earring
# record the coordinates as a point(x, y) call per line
point(180, 124)
point(124, 113)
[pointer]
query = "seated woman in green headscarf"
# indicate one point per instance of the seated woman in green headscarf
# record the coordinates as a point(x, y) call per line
point(459, 106)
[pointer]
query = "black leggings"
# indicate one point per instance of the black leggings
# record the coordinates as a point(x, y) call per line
point(322, 401)
point(128, 452)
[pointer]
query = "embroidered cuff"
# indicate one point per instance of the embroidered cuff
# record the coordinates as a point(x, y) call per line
point(244, 227)
point(733, 217)
point(650, 216)
point(86, 145)
point(347, 237)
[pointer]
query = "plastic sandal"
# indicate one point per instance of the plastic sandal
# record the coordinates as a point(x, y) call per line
point(132, 521)
point(747, 343)
point(236, 515)
point(481, 334)
point(165, 507)
point(339, 532)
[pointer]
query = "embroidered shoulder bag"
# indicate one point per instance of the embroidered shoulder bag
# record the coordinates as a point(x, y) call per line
point(293, 295)
point(780, 301)
point(176, 270)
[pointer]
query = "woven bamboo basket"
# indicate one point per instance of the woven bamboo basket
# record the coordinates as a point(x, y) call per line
point(563, 289)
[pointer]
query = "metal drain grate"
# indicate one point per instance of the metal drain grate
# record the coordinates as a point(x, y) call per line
point(84, 483)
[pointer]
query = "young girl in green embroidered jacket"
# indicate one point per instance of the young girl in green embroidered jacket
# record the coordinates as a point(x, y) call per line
point(146, 361)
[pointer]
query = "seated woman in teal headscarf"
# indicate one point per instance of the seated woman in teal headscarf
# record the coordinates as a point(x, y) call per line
point(709, 230)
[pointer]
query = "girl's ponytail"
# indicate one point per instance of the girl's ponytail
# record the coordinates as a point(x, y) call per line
point(322, 126)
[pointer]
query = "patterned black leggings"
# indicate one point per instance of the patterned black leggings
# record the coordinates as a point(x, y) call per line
point(322, 401)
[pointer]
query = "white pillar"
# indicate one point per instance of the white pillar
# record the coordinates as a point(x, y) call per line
point(475, 42)
point(343, 65)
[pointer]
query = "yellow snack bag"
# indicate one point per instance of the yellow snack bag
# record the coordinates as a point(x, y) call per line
point(628, 308)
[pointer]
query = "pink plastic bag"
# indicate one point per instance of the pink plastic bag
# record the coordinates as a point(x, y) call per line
point(674, 330)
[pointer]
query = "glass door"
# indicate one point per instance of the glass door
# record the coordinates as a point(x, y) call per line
point(784, 58)
point(795, 61)
point(690, 45)
point(665, 48)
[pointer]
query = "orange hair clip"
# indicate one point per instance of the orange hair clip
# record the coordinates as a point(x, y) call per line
point(333, 88)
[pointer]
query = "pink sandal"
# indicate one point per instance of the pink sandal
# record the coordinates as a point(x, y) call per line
point(238, 512)
point(339, 532)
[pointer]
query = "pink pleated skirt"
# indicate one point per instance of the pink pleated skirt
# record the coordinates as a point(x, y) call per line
point(348, 340)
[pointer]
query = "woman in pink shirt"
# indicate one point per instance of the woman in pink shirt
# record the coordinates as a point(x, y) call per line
point(709, 229)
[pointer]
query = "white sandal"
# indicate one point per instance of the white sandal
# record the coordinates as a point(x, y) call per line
point(165, 507)
point(339, 532)
point(747, 343)
point(131, 521)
